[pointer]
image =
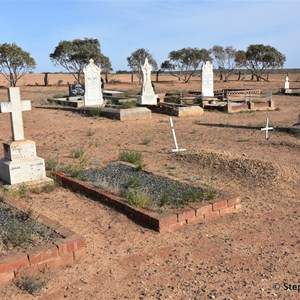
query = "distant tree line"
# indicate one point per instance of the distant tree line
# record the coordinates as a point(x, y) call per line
point(258, 59)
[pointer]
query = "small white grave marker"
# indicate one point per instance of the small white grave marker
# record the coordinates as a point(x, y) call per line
point(174, 137)
point(266, 129)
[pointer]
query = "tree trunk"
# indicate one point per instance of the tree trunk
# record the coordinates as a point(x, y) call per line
point(239, 78)
point(131, 77)
point(157, 74)
point(46, 81)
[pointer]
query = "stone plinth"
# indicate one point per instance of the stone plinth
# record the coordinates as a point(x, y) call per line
point(20, 163)
point(150, 99)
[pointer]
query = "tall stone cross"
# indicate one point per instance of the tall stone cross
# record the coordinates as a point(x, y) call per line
point(15, 107)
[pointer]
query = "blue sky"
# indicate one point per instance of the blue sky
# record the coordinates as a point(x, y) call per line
point(160, 26)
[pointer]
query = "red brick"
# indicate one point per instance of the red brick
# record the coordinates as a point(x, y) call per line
point(64, 232)
point(165, 219)
point(61, 246)
point(13, 262)
point(35, 269)
point(227, 210)
point(233, 201)
point(6, 277)
point(211, 216)
point(74, 242)
point(171, 227)
point(42, 254)
point(185, 214)
point(79, 254)
point(63, 260)
point(219, 204)
point(196, 220)
point(16, 203)
point(203, 208)
point(48, 222)
point(67, 259)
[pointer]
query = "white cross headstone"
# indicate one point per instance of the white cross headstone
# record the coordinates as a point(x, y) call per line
point(177, 149)
point(15, 107)
point(20, 163)
point(148, 96)
point(266, 129)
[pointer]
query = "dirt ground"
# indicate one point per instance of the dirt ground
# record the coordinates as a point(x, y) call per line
point(253, 254)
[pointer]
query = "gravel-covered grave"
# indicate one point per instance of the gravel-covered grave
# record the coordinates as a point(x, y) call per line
point(145, 189)
point(20, 231)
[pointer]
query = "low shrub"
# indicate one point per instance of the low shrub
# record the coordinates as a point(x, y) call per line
point(33, 284)
point(132, 157)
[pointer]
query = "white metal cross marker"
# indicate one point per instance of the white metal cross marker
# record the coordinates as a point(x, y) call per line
point(174, 137)
point(266, 129)
point(15, 108)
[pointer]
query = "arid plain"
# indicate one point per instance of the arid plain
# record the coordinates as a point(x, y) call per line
point(239, 256)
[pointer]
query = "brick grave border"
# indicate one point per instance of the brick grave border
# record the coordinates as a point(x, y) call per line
point(62, 251)
point(194, 213)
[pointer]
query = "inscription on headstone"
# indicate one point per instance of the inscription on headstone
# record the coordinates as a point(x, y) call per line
point(92, 78)
point(207, 80)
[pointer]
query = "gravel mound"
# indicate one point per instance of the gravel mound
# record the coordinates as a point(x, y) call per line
point(117, 176)
point(19, 231)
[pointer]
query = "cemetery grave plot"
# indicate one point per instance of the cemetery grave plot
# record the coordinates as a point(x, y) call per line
point(238, 100)
point(158, 202)
point(30, 244)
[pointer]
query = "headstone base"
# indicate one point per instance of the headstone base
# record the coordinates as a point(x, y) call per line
point(34, 183)
point(22, 170)
point(20, 163)
point(147, 99)
point(96, 102)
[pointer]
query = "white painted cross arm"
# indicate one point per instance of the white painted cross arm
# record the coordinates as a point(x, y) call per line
point(266, 129)
point(15, 108)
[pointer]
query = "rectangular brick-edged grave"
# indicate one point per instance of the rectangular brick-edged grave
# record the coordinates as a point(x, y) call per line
point(65, 250)
point(168, 221)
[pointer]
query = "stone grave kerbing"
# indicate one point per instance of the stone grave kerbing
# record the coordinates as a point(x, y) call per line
point(20, 163)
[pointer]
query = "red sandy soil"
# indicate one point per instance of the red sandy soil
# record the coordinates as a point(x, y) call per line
point(239, 256)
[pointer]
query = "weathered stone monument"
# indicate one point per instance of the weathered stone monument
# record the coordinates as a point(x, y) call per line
point(92, 78)
point(20, 163)
point(207, 80)
point(148, 96)
point(286, 84)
